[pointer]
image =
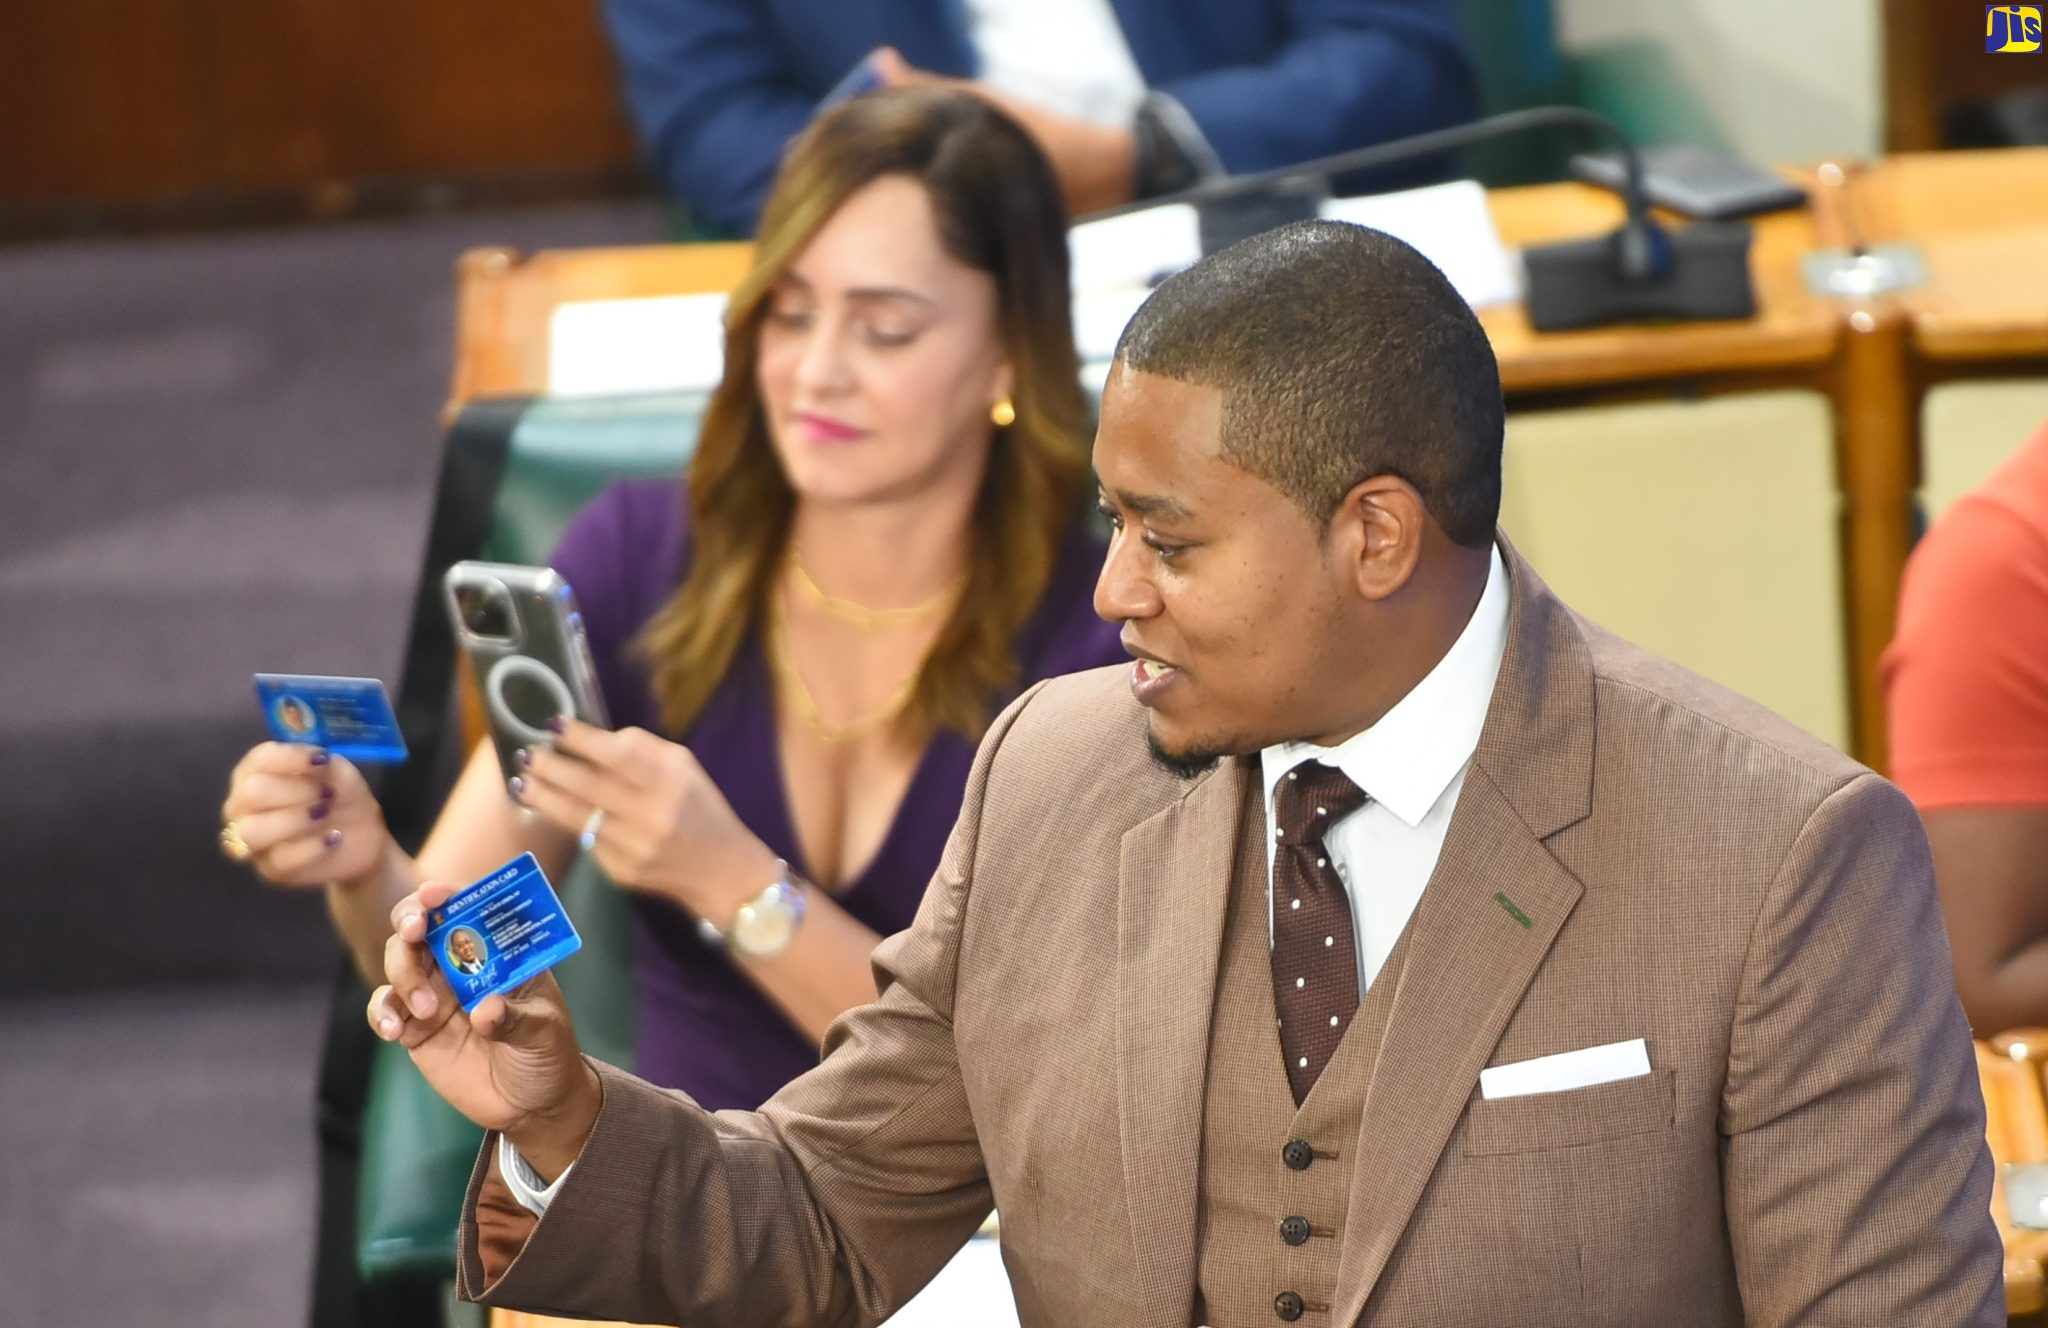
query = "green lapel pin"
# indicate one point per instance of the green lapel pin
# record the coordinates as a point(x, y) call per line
point(1500, 897)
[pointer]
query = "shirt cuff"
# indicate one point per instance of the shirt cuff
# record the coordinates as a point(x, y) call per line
point(525, 1182)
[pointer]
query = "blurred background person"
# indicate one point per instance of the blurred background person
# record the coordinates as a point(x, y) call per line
point(1129, 99)
point(1966, 680)
point(879, 542)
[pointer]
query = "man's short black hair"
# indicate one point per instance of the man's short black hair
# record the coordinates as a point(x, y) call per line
point(1342, 354)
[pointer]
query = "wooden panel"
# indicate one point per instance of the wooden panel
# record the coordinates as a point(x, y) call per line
point(329, 90)
point(205, 102)
point(100, 100)
point(1935, 61)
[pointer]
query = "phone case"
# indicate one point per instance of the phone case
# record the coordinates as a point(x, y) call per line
point(1696, 181)
point(528, 655)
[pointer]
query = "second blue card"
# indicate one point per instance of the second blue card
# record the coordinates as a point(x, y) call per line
point(501, 932)
point(350, 717)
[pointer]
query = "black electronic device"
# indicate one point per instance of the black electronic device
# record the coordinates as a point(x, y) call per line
point(1698, 182)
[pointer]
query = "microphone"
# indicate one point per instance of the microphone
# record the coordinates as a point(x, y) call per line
point(1640, 271)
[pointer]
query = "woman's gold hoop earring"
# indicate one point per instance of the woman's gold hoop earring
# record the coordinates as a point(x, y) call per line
point(1004, 414)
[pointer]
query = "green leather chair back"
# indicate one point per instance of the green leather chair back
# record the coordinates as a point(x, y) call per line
point(417, 1150)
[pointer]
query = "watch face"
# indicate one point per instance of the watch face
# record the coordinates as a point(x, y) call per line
point(766, 926)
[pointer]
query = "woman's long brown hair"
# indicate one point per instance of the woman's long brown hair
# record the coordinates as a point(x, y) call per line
point(998, 210)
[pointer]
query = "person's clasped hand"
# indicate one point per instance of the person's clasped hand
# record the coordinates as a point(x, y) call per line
point(301, 816)
point(511, 1065)
point(650, 815)
point(1094, 163)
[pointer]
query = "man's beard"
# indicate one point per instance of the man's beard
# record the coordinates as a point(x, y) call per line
point(1183, 765)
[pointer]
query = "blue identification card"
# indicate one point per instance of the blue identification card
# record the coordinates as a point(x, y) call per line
point(505, 930)
point(348, 716)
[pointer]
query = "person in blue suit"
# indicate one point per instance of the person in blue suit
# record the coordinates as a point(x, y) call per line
point(1129, 98)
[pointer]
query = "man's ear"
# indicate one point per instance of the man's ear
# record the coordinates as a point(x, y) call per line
point(1378, 528)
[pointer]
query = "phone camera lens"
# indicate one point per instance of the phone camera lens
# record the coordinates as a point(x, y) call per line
point(486, 611)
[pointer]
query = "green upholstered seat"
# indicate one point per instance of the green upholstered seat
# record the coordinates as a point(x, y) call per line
point(417, 1151)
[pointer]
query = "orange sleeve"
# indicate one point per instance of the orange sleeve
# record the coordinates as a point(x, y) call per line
point(1966, 678)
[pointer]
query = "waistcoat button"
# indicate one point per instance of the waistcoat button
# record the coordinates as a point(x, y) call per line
point(1294, 1230)
point(1288, 1306)
point(1297, 1155)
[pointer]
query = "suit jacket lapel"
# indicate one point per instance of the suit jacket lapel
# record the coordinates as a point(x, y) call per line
point(1173, 895)
point(1494, 905)
point(1469, 961)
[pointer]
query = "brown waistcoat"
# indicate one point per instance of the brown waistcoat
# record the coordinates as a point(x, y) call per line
point(1274, 1178)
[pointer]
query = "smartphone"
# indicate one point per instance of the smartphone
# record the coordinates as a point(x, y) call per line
point(1696, 181)
point(519, 629)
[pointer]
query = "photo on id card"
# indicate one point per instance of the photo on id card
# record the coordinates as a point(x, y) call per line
point(501, 932)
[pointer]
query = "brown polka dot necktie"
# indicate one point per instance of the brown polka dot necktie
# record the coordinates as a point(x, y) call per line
point(1315, 958)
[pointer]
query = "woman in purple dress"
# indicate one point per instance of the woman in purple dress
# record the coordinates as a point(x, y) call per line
point(878, 543)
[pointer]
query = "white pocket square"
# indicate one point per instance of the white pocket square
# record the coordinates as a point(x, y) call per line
point(1566, 1070)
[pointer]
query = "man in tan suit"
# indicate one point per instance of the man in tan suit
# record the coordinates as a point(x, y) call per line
point(1445, 960)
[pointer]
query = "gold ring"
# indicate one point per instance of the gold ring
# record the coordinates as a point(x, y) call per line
point(233, 845)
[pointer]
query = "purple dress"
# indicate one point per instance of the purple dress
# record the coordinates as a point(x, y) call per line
point(704, 1027)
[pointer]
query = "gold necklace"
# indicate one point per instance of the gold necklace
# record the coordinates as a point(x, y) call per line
point(870, 620)
point(783, 656)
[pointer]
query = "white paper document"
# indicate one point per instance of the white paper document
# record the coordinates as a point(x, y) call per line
point(664, 343)
point(973, 1291)
point(1452, 227)
point(1135, 249)
point(1099, 318)
point(1566, 1070)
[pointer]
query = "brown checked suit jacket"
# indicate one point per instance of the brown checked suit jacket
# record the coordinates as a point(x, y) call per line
point(1683, 867)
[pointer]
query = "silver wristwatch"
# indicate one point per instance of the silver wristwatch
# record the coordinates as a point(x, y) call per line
point(766, 924)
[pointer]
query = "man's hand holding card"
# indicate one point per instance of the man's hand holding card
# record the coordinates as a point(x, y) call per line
point(485, 1022)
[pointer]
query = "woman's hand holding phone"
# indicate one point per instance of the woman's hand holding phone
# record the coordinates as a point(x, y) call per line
point(307, 817)
point(665, 828)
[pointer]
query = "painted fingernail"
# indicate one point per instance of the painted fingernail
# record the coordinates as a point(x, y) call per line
point(327, 793)
point(421, 1001)
point(331, 838)
point(558, 724)
point(319, 811)
point(523, 757)
point(518, 786)
point(321, 758)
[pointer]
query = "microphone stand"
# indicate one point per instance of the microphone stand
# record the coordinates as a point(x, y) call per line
point(1640, 271)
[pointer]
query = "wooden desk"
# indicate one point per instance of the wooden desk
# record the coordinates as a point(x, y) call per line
point(1981, 218)
point(504, 298)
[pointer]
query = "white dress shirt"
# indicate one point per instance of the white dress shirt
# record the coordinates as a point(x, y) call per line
point(1412, 765)
point(524, 1181)
point(1068, 56)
